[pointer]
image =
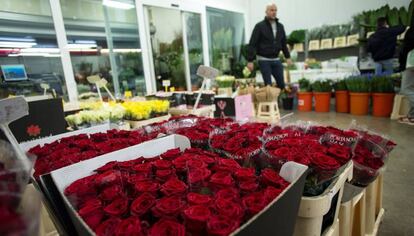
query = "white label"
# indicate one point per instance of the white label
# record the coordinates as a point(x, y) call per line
point(207, 72)
point(166, 83)
point(93, 79)
point(301, 102)
point(12, 109)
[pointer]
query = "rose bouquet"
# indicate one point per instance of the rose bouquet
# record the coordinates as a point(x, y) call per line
point(70, 150)
point(240, 142)
point(15, 218)
point(194, 192)
point(370, 156)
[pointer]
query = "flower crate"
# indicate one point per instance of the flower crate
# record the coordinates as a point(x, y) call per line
point(314, 211)
point(276, 218)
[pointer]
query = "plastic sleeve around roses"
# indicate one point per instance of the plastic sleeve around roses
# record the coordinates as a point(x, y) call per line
point(272, 130)
point(341, 139)
point(269, 158)
point(214, 132)
point(380, 139)
point(364, 175)
point(299, 125)
point(12, 168)
point(172, 125)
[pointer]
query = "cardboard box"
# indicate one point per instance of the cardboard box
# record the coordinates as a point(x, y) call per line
point(278, 218)
point(326, 43)
point(352, 40)
point(340, 42)
point(25, 146)
point(314, 45)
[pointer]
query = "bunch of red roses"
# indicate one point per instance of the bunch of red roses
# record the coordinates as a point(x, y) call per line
point(69, 150)
point(177, 193)
point(238, 141)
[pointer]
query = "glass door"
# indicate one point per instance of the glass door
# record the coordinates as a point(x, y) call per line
point(176, 47)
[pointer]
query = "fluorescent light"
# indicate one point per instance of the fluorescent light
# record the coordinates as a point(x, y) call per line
point(13, 39)
point(117, 4)
point(40, 50)
point(9, 44)
point(80, 45)
point(122, 50)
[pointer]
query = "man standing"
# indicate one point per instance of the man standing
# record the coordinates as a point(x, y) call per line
point(267, 40)
point(382, 45)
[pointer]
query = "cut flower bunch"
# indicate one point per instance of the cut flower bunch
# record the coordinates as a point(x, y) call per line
point(194, 192)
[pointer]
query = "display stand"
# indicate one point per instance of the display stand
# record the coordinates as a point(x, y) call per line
point(100, 83)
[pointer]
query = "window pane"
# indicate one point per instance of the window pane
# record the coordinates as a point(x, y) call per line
point(28, 40)
point(195, 46)
point(92, 29)
point(226, 36)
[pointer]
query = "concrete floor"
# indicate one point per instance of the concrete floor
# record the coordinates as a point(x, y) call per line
point(398, 196)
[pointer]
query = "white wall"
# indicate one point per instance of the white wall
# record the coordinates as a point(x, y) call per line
point(307, 14)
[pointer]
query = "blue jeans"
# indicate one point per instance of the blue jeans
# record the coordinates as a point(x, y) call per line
point(384, 67)
point(275, 68)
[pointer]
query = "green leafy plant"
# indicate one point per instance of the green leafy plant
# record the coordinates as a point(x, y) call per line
point(304, 85)
point(403, 13)
point(297, 36)
point(340, 85)
point(358, 84)
point(315, 34)
point(225, 81)
point(382, 84)
point(393, 17)
point(322, 86)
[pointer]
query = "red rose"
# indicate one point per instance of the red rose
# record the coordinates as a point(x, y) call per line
point(118, 207)
point(92, 213)
point(196, 176)
point(324, 163)
point(220, 226)
point(229, 209)
point(168, 207)
point(129, 227)
point(254, 203)
point(143, 168)
point(282, 152)
point(248, 186)
point(81, 189)
point(12, 223)
point(147, 187)
point(167, 227)
point(206, 159)
point(108, 227)
point(138, 177)
point(221, 180)
point(195, 164)
point(108, 166)
point(162, 164)
point(142, 204)
point(111, 192)
point(171, 154)
point(109, 177)
point(180, 163)
point(198, 199)
point(269, 177)
point(341, 153)
point(164, 175)
point(244, 174)
point(271, 193)
point(196, 217)
point(173, 187)
point(228, 194)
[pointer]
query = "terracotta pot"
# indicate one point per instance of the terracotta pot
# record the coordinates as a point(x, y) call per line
point(382, 104)
point(359, 103)
point(342, 101)
point(305, 101)
point(322, 101)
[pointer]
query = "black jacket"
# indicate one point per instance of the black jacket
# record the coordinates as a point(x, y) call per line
point(263, 42)
point(408, 45)
point(383, 42)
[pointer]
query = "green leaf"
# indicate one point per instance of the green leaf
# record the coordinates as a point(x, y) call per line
point(382, 84)
point(322, 86)
point(304, 85)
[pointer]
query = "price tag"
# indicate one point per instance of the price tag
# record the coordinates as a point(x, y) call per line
point(93, 79)
point(314, 45)
point(166, 83)
point(326, 43)
point(340, 42)
point(207, 72)
point(352, 39)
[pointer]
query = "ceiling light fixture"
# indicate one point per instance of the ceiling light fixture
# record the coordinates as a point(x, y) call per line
point(118, 4)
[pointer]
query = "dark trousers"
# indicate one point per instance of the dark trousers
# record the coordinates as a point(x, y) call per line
point(275, 68)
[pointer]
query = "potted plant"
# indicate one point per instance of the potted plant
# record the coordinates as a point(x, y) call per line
point(359, 93)
point(288, 96)
point(382, 95)
point(304, 95)
point(322, 90)
point(225, 84)
point(341, 96)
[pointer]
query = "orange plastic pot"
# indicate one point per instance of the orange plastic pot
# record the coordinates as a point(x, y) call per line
point(322, 101)
point(305, 101)
point(342, 101)
point(359, 103)
point(382, 104)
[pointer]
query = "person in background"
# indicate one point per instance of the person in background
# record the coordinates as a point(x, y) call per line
point(407, 83)
point(267, 40)
point(382, 45)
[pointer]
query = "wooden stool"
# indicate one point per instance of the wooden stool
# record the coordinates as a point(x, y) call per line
point(271, 111)
point(401, 107)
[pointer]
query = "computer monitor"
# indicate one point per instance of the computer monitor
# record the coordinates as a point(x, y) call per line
point(14, 73)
